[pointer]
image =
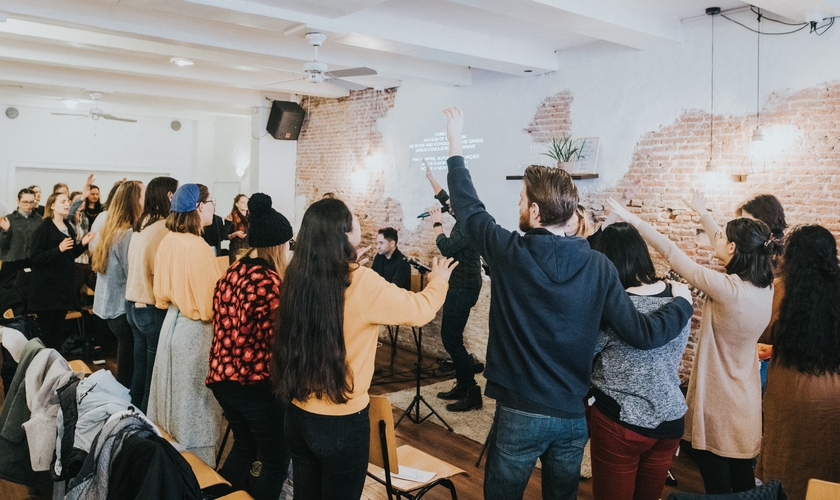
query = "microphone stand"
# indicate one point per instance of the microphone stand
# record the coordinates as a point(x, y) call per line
point(418, 342)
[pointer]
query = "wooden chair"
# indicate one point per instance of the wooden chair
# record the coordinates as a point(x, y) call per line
point(385, 458)
point(822, 490)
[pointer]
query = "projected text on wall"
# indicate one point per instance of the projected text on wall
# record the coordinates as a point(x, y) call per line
point(435, 150)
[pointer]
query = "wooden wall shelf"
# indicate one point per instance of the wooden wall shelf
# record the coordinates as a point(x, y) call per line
point(577, 177)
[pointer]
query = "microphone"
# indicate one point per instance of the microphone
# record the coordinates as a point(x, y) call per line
point(420, 267)
point(444, 209)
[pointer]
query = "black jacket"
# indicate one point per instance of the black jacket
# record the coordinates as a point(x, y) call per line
point(549, 295)
point(53, 285)
point(16, 243)
point(395, 270)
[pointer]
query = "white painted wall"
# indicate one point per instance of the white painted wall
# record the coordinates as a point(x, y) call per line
point(40, 148)
point(619, 95)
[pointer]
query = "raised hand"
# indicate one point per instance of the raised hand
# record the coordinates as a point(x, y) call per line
point(454, 129)
point(66, 244)
point(429, 174)
point(442, 269)
point(4, 223)
point(622, 212)
point(86, 190)
point(697, 202)
point(435, 215)
point(86, 239)
point(630, 192)
point(360, 255)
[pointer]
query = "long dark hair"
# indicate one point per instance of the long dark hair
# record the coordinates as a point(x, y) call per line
point(807, 335)
point(754, 250)
point(239, 221)
point(156, 203)
point(309, 355)
point(624, 246)
point(767, 209)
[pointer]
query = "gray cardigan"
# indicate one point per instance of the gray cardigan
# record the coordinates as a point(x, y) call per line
point(645, 384)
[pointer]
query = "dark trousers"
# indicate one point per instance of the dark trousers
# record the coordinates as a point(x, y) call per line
point(256, 419)
point(51, 324)
point(625, 464)
point(329, 454)
point(146, 323)
point(456, 312)
point(125, 349)
point(724, 475)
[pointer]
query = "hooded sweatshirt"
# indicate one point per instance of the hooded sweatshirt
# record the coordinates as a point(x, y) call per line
point(549, 296)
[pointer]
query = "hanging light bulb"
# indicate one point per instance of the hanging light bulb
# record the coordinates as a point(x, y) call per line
point(714, 181)
point(758, 159)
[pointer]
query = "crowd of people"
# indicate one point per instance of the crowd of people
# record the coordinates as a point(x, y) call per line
point(585, 339)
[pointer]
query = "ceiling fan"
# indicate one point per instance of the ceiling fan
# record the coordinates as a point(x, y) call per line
point(317, 72)
point(95, 113)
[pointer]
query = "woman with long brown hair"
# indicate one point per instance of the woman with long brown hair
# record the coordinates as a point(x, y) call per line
point(53, 291)
point(239, 226)
point(184, 278)
point(109, 260)
point(325, 347)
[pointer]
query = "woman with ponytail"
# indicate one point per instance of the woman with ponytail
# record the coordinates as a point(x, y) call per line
point(109, 260)
point(802, 402)
point(723, 421)
point(325, 346)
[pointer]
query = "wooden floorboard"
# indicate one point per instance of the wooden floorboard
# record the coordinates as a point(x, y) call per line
point(431, 438)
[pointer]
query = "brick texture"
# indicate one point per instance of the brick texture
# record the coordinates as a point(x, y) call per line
point(670, 161)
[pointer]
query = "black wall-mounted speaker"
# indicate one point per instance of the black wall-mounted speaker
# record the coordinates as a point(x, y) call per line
point(285, 120)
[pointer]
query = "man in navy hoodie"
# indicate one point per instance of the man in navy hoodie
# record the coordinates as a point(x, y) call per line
point(549, 295)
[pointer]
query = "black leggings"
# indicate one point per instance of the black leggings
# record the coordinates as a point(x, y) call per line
point(724, 475)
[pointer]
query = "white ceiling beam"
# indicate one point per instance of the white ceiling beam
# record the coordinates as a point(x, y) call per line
point(615, 21)
point(491, 52)
point(180, 30)
point(796, 11)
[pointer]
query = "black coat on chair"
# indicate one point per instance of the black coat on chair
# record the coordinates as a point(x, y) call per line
point(53, 284)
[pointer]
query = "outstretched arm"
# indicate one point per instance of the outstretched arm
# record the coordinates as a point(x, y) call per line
point(628, 195)
point(698, 204)
point(429, 175)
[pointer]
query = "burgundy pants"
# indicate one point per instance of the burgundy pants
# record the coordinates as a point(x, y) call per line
point(625, 464)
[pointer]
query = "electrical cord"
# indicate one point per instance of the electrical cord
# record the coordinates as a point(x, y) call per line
point(765, 32)
point(757, 11)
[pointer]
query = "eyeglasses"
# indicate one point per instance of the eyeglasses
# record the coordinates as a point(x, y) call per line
point(211, 200)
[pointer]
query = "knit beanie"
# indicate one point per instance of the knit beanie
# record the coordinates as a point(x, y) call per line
point(268, 227)
point(185, 198)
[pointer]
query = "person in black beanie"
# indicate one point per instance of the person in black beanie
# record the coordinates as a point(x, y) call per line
point(245, 306)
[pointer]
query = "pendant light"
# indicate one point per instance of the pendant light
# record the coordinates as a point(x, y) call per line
point(711, 165)
point(757, 161)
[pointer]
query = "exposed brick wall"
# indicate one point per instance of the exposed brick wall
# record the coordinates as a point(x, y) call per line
point(332, 148)
point(552, 119)
point(670, 161)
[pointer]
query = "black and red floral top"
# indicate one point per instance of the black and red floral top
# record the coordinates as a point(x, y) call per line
point(245, 306)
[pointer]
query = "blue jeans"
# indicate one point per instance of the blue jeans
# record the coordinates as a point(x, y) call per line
point(329, 454)
point(146, 323)
point(256, 420)
point(456, 312)
point(519, 439)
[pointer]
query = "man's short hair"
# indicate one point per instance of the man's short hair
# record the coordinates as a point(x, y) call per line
point(554, 191)
point(25, 191)
point(390, 234)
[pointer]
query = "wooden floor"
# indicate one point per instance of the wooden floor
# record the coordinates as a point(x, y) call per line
point(429, 437)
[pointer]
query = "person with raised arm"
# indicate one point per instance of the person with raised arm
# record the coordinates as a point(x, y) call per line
point(723, 422)
point(549, 296)
point(464, 289)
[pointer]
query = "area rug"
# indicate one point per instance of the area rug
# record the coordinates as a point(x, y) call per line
point(474, 424)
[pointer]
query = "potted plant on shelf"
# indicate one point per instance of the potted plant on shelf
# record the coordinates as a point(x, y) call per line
point(565, 152)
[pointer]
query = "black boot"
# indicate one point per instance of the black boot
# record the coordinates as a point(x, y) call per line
point(472, 401)
point(458, 392)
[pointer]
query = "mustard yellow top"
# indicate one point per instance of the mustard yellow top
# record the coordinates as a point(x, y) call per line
point(371, 301)
point(139, 286)
point(185, 275)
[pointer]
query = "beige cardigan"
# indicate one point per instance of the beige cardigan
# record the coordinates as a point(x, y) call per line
point(186, 273)
point(724, 393)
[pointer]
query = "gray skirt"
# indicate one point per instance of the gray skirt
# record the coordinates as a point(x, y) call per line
point(179, 402)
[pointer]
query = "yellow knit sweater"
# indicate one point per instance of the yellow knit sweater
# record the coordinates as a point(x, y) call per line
point(185, 275)
point(371, 301)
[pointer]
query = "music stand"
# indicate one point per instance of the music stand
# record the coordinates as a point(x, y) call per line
point(418, 342)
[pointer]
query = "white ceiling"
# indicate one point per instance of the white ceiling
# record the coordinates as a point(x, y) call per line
point(54, 49)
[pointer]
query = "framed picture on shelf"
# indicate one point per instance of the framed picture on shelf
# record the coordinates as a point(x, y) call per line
point(588, 161)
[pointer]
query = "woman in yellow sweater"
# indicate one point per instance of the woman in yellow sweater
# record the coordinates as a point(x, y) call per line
point(325, 347)
point(185, 276)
